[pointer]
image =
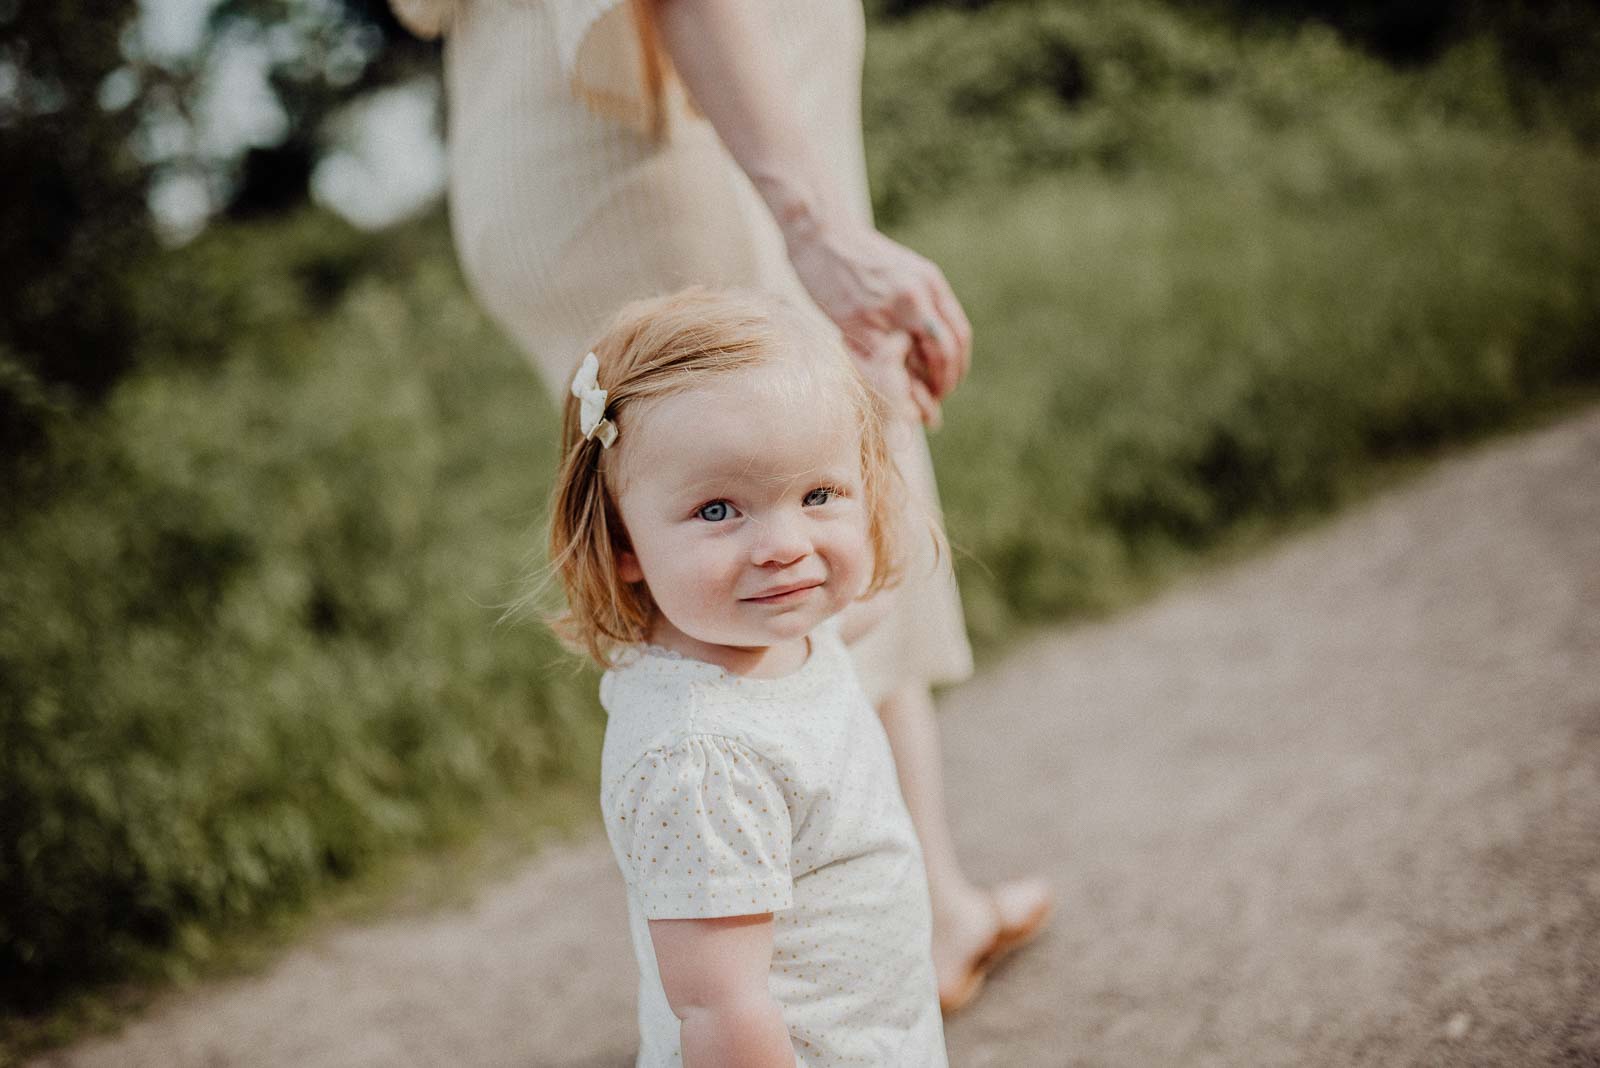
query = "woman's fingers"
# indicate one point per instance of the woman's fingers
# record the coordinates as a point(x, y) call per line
point(955, 317)
point(944, 337)
point(927, 405)
point(938, 360)
point(923, 397)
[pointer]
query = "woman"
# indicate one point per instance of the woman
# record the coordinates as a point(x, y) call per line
point(603, 150)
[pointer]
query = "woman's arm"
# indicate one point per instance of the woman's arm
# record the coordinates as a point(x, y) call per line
point(868, 284)
point(714, 973)
point(858, 618)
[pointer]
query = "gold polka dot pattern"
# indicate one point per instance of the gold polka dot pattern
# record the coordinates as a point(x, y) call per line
point(706, 831)
point(728, 796)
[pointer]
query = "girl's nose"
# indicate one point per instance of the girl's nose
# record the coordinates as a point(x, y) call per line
point(780, 539)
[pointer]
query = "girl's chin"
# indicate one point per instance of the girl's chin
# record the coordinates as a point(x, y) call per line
point(767, 638)
point(778, 632)
point(758, 633)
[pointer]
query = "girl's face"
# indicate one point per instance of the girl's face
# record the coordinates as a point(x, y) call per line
point(743, 506)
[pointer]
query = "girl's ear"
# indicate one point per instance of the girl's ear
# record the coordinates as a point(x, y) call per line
point(628, 568)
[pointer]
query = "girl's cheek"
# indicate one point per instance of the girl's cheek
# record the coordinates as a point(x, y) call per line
point(711, 564)
point(854, 529)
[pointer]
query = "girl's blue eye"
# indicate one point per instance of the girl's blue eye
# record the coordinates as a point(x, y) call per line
point(820, 495)
point(715, 512)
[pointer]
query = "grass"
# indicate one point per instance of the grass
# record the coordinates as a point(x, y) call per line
point(249, 645)
point(418, 882)
point(1152, 371)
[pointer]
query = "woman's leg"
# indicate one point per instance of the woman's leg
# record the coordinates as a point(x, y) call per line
point(967, 919)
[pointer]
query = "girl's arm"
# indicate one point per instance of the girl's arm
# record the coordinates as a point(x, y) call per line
point(868, 284)
point(714, 973)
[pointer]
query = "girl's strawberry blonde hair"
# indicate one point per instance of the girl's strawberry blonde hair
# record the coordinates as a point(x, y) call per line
point(658, 347)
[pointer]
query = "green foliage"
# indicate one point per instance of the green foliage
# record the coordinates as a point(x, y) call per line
point(322, 56)
point(1160, 363)
point(958, 100)
point(247, 609)
point(1214, 276)
point(251, 641)
point(72, 216)
point(80, 94)
point(1548, 46)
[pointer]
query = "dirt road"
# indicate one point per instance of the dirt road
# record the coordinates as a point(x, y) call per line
point(1338, 805)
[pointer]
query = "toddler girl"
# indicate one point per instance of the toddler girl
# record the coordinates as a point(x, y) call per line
point(726, 501)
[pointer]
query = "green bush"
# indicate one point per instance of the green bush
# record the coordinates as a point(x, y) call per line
point(955, 101)
point(1160, 362)
point(251, 641)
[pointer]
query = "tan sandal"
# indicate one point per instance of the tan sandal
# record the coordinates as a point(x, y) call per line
point(1008, 938)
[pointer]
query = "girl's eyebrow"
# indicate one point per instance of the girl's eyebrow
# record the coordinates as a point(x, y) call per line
point(702, 482)
point(715, 479)
point(721, 473)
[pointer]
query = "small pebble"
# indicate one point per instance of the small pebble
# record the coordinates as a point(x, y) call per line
point(1457, 1026)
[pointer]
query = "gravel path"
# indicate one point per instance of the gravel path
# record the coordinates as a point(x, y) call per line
point(1338, 805)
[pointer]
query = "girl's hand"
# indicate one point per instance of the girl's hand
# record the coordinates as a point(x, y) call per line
point(888, 362)
point(714, 973)
point(871, 286)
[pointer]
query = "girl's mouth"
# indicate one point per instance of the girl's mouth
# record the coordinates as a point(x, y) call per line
point(784, 594)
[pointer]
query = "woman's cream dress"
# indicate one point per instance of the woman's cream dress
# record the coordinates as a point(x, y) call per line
point(581, 178)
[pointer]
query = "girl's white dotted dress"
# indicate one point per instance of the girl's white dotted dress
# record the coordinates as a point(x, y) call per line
point(726, 796)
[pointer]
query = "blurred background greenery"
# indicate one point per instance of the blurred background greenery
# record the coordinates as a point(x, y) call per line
point(268, 475)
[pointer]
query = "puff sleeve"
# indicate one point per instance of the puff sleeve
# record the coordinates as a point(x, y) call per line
point(703, 830)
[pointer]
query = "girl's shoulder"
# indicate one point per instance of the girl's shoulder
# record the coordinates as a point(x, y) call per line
point(643, 680)
point(687, 748)
point(646, 679)
point(649, 704)
point(655, 700)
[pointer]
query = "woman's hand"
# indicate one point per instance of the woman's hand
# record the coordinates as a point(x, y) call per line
point(875, 288)
point(872, 287)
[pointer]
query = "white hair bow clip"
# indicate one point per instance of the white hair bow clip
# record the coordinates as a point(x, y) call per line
point(592, 403)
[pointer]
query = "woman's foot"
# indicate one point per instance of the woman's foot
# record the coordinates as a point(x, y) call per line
point(971, 938)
